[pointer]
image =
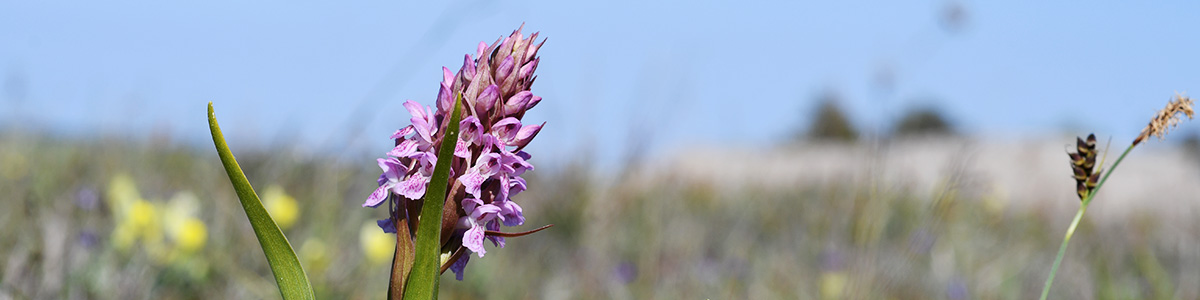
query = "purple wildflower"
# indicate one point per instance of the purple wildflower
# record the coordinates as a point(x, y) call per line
point(477, 215)
point(494, 87)
point(388, 181)
point(459, 266)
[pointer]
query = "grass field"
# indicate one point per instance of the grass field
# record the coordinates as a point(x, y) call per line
point(75, 230)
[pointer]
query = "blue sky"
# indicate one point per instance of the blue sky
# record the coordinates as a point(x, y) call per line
point(665, 75)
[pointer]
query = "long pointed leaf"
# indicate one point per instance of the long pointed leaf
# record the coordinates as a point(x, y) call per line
point(423, 281)
point(289, 274)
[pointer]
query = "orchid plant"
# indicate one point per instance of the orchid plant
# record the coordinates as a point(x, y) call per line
point(458, 165)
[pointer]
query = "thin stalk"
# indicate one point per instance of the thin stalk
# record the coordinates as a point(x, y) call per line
point(1062, 250)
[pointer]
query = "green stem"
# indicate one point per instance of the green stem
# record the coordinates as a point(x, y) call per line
point(1062, 250)
point(1109, 173)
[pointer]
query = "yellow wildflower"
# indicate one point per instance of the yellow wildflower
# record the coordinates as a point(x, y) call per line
point(378, 246)
point(191, 235)
point(282, 207)
point(314, 254)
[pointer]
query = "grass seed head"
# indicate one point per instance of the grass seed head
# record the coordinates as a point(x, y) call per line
point(1166, 118)
point(1082, 163)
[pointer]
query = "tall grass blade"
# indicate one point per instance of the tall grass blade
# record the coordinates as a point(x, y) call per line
point(423, 280)
point(289, 274)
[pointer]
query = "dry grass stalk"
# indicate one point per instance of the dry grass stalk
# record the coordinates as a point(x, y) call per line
point(1166, 118)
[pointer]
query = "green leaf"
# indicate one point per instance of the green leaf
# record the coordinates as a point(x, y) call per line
point(423, 281)
point(289, 274)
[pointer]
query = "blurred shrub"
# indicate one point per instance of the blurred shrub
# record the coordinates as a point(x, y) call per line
point(923, 121)
point(829, 123)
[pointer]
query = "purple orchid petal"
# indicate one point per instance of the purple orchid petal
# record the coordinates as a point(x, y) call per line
point(502, 195)
point(497, 241)
point(518, 164)
point(506, 169)
point(526, 134)
point(425, 161)
point(484, 213)
point(487, 101)
point(477, 212)
point(490, 142)
point(459, 266)
point(527, 69)
point(413, 188)
point(505, 69)
point(489, 163)
point(506, 129)
point(469, 205)
point(445, 98)
point(472, 180)
point(470, 129)
point(533, 49)
point(402, 132)
point(424, 133)
point(392, 168)
point(532, 102)
point(516, 186)
point(511, 164)
point(523, 155)
point(422, 121)
point(387, 225)
point(405, 149)
point(447, 76)
point(478, 82)
point(462, 149)
point(512, 214)
point(378, 196)
point(518, 52)
point(468, 69)
point(516, 103)
point(415, 109)
point(485, 167)
point(473, 240)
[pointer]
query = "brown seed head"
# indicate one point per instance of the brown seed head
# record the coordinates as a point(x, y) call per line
point(1166, 118)
point(1082, 163)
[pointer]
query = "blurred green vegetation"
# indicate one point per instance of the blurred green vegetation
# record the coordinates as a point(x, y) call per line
point(660, 238)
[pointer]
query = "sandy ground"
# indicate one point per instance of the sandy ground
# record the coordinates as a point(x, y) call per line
point(1157, 179)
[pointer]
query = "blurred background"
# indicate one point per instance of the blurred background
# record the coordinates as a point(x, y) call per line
point(693, 150)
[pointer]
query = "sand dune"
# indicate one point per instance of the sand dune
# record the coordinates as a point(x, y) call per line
point(1158, 179)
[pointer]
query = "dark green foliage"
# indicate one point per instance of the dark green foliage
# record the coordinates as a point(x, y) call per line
point(923, 121)
point(829, 123)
